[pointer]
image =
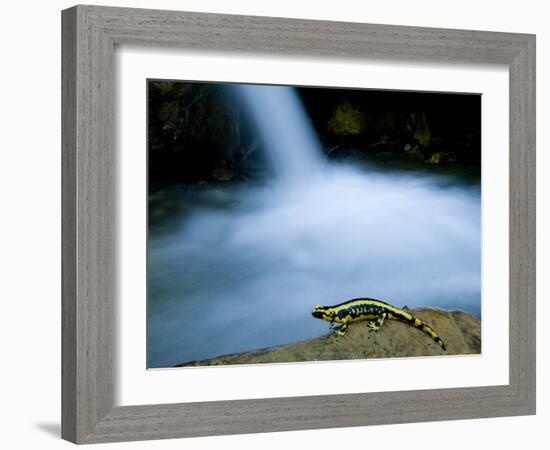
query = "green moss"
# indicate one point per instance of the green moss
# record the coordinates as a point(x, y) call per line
point(346, 120)
point(422, 131)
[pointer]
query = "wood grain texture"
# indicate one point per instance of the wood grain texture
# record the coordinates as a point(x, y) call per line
point(523, 224)
point(88, 304)
point(68, 226)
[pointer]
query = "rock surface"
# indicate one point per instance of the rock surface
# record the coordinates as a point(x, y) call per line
point(460, 331)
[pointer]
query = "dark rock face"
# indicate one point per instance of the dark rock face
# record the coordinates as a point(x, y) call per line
point(460, 331)
point(382, 122)
point(199, 132)
point(403, 135)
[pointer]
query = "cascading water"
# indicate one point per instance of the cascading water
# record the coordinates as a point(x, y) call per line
point(287, 134)
point(245, 273)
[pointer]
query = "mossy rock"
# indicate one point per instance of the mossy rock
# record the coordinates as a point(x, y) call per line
point(420, 128)
point(441, 158)
point(347, 120)
point(413, 155)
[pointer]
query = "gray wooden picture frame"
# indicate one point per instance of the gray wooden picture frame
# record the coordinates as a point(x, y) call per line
point(89, 37)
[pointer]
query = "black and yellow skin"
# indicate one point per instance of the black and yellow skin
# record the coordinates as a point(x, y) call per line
point(374, 312)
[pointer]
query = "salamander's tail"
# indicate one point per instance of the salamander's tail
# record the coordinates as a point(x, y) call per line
point(422, 326)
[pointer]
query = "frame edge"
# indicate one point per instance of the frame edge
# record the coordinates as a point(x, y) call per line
point(88, 415)
point(68, 224)
point(522, 191)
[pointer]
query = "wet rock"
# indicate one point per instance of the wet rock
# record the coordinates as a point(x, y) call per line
point(384, 146)
point(384, 156)
point(442, 158)
point(413, 155)
point(223, 174)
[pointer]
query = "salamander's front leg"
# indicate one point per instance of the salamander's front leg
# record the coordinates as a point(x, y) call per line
point(375, 325)
point(341, 331)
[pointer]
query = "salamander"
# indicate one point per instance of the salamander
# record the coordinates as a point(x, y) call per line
point(374, 312)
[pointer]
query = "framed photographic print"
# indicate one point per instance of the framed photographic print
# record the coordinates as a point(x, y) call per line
point(257, 209)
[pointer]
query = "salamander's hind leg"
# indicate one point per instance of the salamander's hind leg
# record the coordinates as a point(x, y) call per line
point(375, 325)
point(341, 331)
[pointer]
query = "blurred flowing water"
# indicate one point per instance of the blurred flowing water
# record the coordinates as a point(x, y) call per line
point(241, 269)
point(292, 146)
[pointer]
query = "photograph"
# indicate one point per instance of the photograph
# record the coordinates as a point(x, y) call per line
point(292, 224)
point(265, 225)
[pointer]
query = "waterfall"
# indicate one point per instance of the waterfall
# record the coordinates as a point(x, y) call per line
point(285, 129)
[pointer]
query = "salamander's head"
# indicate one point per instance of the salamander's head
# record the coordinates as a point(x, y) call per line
point(324, 312)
